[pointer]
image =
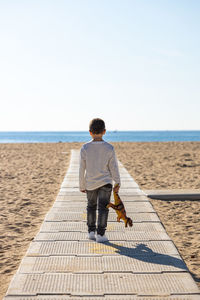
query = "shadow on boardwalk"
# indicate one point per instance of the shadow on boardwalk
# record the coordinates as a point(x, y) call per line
point(146, 254)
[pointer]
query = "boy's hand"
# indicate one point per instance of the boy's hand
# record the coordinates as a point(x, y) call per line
point(83, 191)
point(116, 188)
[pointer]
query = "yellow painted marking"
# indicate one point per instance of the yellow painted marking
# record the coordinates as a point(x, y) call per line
point(110, 227)
point(84, 216)
point(98, 248)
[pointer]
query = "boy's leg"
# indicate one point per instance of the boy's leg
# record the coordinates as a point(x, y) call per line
point(91, 209)
point(104, 194)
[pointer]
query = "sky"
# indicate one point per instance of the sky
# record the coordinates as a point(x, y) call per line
point(134, 63)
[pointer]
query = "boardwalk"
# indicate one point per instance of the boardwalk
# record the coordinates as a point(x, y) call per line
point(137, 263)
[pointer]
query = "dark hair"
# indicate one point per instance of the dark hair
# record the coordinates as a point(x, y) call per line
point(97, 126)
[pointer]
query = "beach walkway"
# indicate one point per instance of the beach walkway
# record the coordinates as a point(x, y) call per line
point(140, 262)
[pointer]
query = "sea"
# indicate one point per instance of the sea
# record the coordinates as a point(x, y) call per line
point(110, 136)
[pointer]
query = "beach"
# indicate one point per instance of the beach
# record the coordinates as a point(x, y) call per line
point(171, 165)
point(31, 175)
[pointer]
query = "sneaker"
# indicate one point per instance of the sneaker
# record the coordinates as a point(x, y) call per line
point(91, 235)
point(101, 238)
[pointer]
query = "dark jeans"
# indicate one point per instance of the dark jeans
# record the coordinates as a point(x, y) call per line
point(102, 194)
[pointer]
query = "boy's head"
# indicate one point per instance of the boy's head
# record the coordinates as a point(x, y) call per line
point(97, 126)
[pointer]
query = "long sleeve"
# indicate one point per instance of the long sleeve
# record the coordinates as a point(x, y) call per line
point(113, 167)
point(82, 168)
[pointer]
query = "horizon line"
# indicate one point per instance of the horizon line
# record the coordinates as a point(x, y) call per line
point(114, 130)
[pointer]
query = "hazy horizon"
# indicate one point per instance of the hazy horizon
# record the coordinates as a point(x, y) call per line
point(106, 131)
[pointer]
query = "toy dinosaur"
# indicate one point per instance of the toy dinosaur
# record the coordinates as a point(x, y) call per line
point(120, 209)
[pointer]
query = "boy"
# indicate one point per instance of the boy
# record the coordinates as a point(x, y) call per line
point(98, 167)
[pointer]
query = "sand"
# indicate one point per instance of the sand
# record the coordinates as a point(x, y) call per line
point(31, 175)
point(172, 165)
point(30, 178)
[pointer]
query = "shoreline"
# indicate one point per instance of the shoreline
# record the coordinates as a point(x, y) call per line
point(31, 175)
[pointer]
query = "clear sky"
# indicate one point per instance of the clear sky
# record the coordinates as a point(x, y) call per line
point(134, 63)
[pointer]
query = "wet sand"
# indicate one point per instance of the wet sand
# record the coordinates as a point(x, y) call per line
point(31, 175)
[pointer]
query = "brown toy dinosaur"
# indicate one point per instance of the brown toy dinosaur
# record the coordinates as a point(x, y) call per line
point(120, 209)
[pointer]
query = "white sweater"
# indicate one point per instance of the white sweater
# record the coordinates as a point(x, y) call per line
point(98, 165)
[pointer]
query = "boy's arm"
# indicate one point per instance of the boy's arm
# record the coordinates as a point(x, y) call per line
point(114, 170)
point(82, 168)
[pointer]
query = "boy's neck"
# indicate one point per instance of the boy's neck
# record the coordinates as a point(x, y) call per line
point(97, 139)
